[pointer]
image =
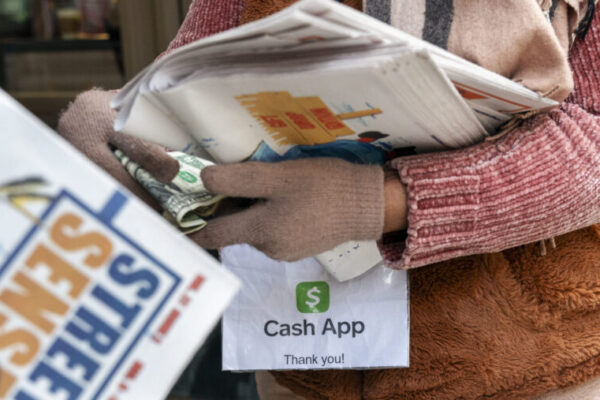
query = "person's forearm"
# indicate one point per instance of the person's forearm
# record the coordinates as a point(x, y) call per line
point(540, 181)
point(537, 182)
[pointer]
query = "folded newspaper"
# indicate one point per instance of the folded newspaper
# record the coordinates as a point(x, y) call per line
point(318, 79)
point(100, 298)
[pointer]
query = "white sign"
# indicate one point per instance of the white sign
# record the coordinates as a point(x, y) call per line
point(99, 297)
point(297, 316)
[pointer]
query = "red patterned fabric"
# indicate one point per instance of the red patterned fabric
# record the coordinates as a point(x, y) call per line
point(205, 18)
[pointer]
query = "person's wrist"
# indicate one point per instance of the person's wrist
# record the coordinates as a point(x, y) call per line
point(395, 208)
point(358, 209)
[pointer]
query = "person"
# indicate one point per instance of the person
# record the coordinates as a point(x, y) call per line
point(490, 316)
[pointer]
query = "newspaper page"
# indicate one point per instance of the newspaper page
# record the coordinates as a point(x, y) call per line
point(317, 25)
point(99, 297)
point(372, 107)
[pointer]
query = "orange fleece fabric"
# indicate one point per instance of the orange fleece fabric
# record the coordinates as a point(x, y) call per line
point(504, 326)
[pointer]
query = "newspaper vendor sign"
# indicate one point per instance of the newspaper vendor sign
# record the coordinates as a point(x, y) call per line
point(94, 288)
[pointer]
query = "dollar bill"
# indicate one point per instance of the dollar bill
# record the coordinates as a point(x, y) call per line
point(185, 200)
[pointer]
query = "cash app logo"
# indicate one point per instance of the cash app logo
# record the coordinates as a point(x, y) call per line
point(312, 297)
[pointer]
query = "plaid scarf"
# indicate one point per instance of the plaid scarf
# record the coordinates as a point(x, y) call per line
point(438, 15)
point(525, 40)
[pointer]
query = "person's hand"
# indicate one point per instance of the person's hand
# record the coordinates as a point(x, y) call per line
point(306, 206)
point(88, 125)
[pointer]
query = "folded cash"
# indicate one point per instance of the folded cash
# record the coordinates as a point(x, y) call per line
point(185, 200)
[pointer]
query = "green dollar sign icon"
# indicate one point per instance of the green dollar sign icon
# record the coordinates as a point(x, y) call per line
point(312, 297)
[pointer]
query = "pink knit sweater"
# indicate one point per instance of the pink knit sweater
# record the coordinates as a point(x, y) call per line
point(540, 181)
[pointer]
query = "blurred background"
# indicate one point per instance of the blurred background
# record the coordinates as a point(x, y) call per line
point(51, 50)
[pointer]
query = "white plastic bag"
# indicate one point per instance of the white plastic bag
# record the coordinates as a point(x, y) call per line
point(297, 316)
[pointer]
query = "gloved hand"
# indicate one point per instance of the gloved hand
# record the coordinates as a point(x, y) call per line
point(307, 206)
point(88, 125)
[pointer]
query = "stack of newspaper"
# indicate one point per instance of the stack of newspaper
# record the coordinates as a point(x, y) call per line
point(318, 79)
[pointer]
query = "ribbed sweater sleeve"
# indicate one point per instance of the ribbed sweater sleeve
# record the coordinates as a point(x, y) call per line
point(205, 18)
point(539, 181)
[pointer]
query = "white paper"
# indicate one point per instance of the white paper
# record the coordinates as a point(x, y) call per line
point(427, 114)
point(331, 22)
point(351, 259)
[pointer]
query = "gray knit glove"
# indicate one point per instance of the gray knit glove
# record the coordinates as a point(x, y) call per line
point(307, 206)
point(87, 125)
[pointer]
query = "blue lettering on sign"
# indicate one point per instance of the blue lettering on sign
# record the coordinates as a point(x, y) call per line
point(126, 277)
point(89, 336)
